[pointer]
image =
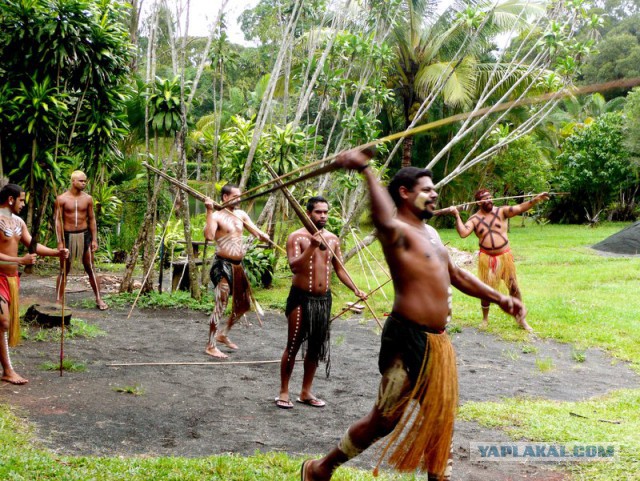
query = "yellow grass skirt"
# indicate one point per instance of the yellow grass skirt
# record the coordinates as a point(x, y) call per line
point(428, 413)
point(493, 269)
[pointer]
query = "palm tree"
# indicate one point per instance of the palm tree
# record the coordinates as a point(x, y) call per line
point(445, 56)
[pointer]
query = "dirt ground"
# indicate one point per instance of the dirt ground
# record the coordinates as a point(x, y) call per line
point(222, 407)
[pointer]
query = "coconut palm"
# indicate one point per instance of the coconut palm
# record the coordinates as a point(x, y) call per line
point(447, 55)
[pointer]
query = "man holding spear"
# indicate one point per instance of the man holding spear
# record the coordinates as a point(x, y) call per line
point(417, 361)
point(225, 226)
point(13, 231)
point(495, 261)
point(309, 302)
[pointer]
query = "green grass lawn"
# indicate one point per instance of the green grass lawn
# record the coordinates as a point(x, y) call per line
point(573, 295)
point(21, 459)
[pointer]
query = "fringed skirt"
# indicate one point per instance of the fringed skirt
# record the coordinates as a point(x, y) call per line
point(428, 411)
point(495, 268)
point(78, 243)
point(314, 331)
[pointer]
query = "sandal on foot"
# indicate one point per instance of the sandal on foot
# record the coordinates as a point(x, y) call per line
point(284, 404)
point(314, 402)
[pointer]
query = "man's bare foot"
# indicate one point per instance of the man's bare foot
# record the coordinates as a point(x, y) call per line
point(226, 341)
point(14, 378)
point(215, 352)
point(484, 324)
point(523, 324)
point(101, 305)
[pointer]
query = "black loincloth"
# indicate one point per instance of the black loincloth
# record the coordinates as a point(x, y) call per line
point(405, 337)
point(239, 286)
point(314, 328)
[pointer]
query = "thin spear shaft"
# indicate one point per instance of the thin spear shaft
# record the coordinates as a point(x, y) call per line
point(224, 363)
point(63, 278)
point(202, 198)
point(368, 294)
point(439, 211)
point(616, 84)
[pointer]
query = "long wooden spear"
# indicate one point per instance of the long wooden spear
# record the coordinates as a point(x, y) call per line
point(311, 227)
point(616, 84)
point(202, 198)
point(63, 277)
point(442, 211)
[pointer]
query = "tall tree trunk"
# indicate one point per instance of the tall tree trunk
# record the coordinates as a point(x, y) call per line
point(407, 146)
point(132, 257)
point(134, 19)
point(37, 217)
point(194, 281)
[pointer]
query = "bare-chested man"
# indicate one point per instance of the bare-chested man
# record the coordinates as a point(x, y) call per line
point(77, 230)
point(227, 274)
point(13, 231)
point(495, 262)
point(417, 361)
point(309, 302)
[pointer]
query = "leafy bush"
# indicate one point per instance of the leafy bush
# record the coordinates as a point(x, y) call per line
point(258, 265)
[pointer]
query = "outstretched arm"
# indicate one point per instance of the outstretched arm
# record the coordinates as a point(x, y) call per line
point(338, 267)
point(41, 250)
point(472, 286)
point(382, 208)
point(514, 210)
point(251, 227)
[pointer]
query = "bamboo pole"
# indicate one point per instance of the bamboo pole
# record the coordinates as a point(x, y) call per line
point(603, 87)
point(202, 363)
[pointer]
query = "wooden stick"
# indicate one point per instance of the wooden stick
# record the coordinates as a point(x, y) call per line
point(215, 363)
point(440, 211)
point(616, 84)
point(201, 197)
point(63, 278)
point(368, 294)
point(311, 227)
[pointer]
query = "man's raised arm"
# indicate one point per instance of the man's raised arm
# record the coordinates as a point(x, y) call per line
point(464, 229)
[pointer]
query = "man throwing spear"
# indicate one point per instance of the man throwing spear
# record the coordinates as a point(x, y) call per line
point(495, 262)
point(13, 231)
point(309, 302)
point(77, 229)
point(227, 274)
point(417, 361)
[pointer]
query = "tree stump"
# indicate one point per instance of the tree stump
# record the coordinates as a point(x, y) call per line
point(47, 315)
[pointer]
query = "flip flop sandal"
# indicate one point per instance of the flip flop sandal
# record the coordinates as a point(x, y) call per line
point(313, 402)
point(282, 404)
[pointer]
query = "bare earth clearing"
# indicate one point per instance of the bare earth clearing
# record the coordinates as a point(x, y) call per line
point(204, 410)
